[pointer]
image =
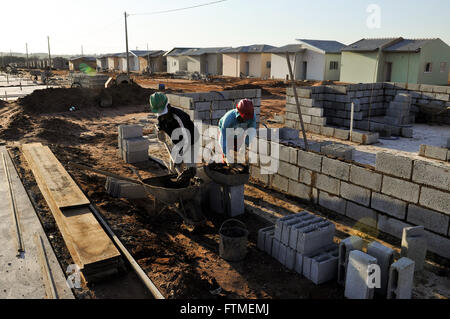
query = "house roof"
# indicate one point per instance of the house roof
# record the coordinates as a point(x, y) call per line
point(408, 45)
point(144, 53)
point(370, 44)
point(256, 48)
point(178, 51)
point(201, 51)
point(329, 46)
point(291, 48)
point(87, 58)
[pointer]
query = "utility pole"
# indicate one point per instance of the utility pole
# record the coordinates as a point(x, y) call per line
point(126, 40)
point(49, 55)
point(82, 53)
point(148, 60)
point(26, 46)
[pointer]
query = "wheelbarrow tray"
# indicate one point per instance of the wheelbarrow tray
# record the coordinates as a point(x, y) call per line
point(227, 180)
point(157, 186)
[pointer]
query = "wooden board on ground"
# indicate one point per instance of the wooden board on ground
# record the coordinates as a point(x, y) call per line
point(22, 277)
point(63, 190)
point(90, 247)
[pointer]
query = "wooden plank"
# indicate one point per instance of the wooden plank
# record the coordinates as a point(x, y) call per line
point(85, 239)
point(62, 188)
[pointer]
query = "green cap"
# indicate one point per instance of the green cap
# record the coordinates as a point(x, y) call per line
point(158, 101)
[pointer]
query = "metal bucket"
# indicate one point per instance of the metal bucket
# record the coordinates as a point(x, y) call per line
point(233, 241)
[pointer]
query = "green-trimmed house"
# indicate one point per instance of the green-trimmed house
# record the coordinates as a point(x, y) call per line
point(419, 61)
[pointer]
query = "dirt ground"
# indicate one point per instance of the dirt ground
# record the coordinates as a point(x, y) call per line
point(181, 262)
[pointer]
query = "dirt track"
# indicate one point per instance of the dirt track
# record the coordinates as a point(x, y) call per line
point(183, 264)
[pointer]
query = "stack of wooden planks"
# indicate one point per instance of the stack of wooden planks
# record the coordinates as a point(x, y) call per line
point(90, 247)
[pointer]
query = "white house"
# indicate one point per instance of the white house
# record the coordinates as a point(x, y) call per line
point(252, 60)
point(177, 61)
point(201, 60)
point(316, 60)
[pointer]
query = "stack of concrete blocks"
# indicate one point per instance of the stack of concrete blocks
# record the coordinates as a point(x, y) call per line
point(303, 239)
point(123, 189)
point(89, 81)
point(414, 245)
point(133, 146)
point(210, 107)
point(399, 111)
point(357, 277)
point(346, 246)
point(435, 152)
point(385, 258)
point(401, 279)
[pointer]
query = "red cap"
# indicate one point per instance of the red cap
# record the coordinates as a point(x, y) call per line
point(245, 109)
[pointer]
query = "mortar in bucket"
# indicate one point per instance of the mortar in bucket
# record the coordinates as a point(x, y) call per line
point(233, 240)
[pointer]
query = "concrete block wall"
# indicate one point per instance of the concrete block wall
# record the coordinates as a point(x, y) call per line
point(209, 107)
point(89, 81)
point(435, 152)
point(133, 147)
point(323, 106)
point(398, 192)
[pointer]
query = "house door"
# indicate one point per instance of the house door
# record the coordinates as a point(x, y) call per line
point(206, 68)
point(305, 70)
point(247, 68)
point(388, 75)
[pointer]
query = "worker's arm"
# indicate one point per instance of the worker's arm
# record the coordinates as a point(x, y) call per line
point(228, 121)
point(251, 135)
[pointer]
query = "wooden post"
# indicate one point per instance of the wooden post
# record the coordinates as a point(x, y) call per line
point(352, 115)
point(296, 101)
point(126, 40)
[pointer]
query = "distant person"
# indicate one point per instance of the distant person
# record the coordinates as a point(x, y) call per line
point(243, 116)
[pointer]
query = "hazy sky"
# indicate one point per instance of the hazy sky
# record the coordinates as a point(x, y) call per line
point(98, 25)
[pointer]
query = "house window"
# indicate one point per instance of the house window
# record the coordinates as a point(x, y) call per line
point(428, 67)
point(268, 64)
point(334, 65)
point(174, 63)
point(443, 67)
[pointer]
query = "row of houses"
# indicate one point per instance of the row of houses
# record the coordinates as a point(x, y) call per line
point(367, 60)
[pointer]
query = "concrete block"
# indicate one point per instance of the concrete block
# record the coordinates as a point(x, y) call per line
point(334, 203)
point(431, 174)
point(401, 279)
point(361, 214)
point(286, 133)
point(327, 131)
point(299, 190)
point(431, 220)
point(355, 193)
point(286, 228)
point(385, 258)
point(365, 177)
point(280, 183)
point(282, 254)
point(275, 248)
point(336, 168)
point(400, 166)
point(341, 134)
point(435, 152)
point(312, 238)
point(323, 268)
point(291, 256)
point(288, 170)
point(389, 205)
point(391, 226)
point(136, 144)
point(401, 189)
point(345, 247)
point(298, 263)
point(130, 131)
point(262, 236)
point(328, 184)
point(414, 245)
point(268, 241)
point(436, 200)
point(356, 283)
point(310, 160)
point(306, 176)
point(280, 222)
point(302, 222)
point(235, 200)
point(135, 157)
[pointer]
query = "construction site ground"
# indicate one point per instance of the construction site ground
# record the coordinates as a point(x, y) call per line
point(182, 263)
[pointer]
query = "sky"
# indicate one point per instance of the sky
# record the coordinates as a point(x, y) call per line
point(98, 25)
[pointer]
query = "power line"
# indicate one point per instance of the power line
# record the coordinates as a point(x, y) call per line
point(179, 9)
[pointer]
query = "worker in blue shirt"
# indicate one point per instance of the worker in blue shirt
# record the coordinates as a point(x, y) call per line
point(241, 117)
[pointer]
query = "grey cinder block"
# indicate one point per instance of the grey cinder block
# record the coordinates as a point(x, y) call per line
point(334, 203)
point(345, 247)
point(275, 248)
point(314, 237)
point(385, 258)
point(262, 236)
point(432, 174)
point(130, 131)
point(268, 242)
point(356, 283)
point(400, 166)
point(401, 279)
point(414, 245)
